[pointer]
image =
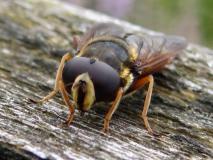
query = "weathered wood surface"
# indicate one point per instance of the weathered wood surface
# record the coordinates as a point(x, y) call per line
point(33, 34)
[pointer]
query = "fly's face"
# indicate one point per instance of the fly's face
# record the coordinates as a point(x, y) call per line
point(83, 92)
point(89, 80)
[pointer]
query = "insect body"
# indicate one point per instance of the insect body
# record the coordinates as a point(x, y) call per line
point(109, 64)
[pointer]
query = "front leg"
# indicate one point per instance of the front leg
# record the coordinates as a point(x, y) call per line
point(68, 103)
point(65, 58)
point(112, 110)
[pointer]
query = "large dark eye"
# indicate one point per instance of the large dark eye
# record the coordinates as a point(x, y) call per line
point(105, 79)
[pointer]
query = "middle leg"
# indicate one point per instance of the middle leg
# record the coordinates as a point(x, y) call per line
point(112, 110)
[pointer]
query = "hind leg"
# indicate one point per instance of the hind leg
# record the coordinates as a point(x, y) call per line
point(139, 84)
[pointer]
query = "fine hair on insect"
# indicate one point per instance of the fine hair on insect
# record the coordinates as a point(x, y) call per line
point(109, 64)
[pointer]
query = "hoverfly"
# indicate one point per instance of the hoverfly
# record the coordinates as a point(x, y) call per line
point(110, 63)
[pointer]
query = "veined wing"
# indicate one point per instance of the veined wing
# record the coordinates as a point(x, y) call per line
point(154, 52)
point(102, 29)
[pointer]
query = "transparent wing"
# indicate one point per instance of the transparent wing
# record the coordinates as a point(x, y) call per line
point(101, 29)
point(155, 51)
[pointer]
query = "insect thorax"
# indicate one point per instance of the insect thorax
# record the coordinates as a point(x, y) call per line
point(109, 52)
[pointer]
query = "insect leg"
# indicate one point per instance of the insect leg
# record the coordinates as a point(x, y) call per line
point(65, 58)
point(137, 85)
point(75, 42)
point(67, 102)
point(112, 110)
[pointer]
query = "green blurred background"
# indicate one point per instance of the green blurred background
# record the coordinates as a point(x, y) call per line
point(192, 19)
